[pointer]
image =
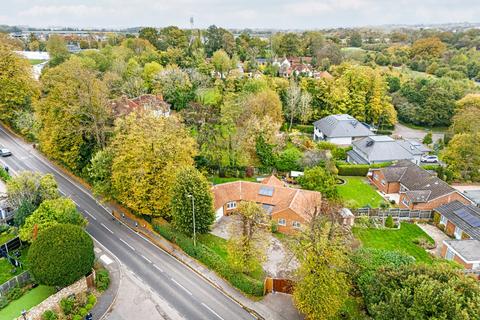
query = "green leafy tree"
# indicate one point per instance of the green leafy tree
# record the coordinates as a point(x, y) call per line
point(355, 39)
point(57, 49)
point(322, 278)
point(175, 86)
point(61, 255)
point(192, 188)
point(467, 115)
point(221, 62)
point(17, 87)
point(319, 179)
point(172, 37)
point(150, 34)
point(218, 38)
point(288, 159)
point(427, 139)
point(147, 152)
point(50, 213)
point(462, 156)
point(246, 247)
point(265, 152)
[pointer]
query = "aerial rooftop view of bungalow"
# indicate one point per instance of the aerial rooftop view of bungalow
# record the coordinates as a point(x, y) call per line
point(290, 208)
point(123, 105)
point(378, 149)
point(416, 188)
point(340, 129)
point(461, 221)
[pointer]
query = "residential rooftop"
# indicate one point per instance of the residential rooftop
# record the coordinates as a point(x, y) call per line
point(342, 125)
point(469, 250)
point(466, 217)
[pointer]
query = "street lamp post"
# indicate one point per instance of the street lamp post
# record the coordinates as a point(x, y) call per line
point(193, 211)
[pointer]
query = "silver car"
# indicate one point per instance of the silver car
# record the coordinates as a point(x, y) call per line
point(5, 152)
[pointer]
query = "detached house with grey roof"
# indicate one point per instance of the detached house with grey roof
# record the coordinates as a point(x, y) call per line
point(340, 129)
point(378, 149)
point(418, 189)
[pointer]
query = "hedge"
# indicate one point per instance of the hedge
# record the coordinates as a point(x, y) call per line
point(212, 260)
point(358, 169)
point(4, 176)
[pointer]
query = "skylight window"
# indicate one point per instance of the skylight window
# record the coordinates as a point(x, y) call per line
point(266, 191)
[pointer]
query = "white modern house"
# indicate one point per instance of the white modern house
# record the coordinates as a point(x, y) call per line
point(340, 129)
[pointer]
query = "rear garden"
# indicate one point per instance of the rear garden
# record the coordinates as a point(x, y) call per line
point(409, 239)
point(358, 193)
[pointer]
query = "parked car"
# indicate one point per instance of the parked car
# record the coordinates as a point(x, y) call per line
point(5, 152)
point(429, 158)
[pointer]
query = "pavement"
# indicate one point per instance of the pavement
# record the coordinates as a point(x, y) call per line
point(437, 235)
point(183, 289)
point(415, 134)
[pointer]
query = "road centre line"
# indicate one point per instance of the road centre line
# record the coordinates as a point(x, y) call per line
point(210, 309)
point(158, 268)
point(178, 284)
point(148, 260)
point(106, 228)
point(91, 216)
point(125, 242)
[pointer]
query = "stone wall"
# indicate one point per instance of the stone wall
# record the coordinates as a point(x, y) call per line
point(53, 301)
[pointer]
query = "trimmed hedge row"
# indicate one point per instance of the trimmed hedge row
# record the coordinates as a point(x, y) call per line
point(212, 260)
point(358, 169)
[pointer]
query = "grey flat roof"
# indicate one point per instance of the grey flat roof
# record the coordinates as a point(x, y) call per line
point(473, 195)
point(468, 249)
point(382, 149)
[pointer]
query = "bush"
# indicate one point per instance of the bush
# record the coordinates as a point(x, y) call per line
point(82, 312)
point(67, 305)
point(77, 317)
point(49, 315)
point(427, 139)
point(14, 293)
point(91, 299)
point(4, 176)
point(389, 222)
point(212, 260)
point(102, 279)
point(61, 255)
point(353, 170)
point(89, 306)
point(436, 218)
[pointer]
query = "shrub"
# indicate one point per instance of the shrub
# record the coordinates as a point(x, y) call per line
point(428, 138)
point(14, 293)
point(77, 317)
point(102, 279)
point(353, 169)
point(61, 255)
point(273, 226)
point(82, 312)
point(67, 305)
point(389, 222)
point(91, 299)
point(89, 306)
point(436, 218)
point(4, 176)
point(49, 315)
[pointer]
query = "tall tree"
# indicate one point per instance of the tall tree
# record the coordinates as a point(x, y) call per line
point(175, 86)
point(73, 114)
point(57, 49)
point(467, 115)
point(18, 89)
point(218, 38)
point(172, 37)
point(191, 191)
point(321, 249)
point(147, 152)
point(462, 156)
point(297, 104)
point(150, 34)
point(221, 62)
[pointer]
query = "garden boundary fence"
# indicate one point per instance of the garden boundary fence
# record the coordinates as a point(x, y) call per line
point(403, 214)
point(278, 285)
point(19, 280)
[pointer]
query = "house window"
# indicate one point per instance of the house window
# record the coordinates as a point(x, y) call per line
point(405, 201)
point(282, 222)
point(449, 254)
point(375, 176)
point(443, 220)
point(458, 233)
point(296, 224)
point(383, 182)
point(231, 205)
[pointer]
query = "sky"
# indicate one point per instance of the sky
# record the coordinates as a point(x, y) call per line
point(278, 14)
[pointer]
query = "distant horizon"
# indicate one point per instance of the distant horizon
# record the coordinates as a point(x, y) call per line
point(246, 14)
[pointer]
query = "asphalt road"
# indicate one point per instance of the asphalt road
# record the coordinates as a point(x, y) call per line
point(183, 289)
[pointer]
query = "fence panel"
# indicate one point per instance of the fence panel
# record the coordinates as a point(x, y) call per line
point(19, 281)
point(404, 214)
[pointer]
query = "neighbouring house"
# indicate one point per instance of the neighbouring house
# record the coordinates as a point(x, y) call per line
point(418, 189)
point(464, 252)
point(459, 220)
point(473, 195)
point(340, 129)
point(378, 149)
point(290, 208)
point(123, 105)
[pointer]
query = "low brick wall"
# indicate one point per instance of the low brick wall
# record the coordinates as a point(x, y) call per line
point(53, 301)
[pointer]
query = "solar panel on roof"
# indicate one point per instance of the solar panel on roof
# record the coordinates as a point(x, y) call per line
point(266, 191)
point(468, 217)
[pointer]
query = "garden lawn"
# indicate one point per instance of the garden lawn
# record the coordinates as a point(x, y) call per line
point(358, 193)
point(396, 240)
point(6, 268)
point(219, 180)
point(35, 61)
point(30, 299)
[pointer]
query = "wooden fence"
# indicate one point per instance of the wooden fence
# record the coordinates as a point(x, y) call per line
point(403, 214)
point(17, 281)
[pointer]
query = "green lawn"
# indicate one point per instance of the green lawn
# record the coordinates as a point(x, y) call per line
point(396, 240)
point(358, 193)
point(6, 268)
point(27, 301)
point(219, 180)
point(35, 61)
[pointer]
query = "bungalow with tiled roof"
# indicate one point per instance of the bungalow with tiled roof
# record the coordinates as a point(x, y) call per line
point(418, 188)
point(288, 207)
point(146, 102)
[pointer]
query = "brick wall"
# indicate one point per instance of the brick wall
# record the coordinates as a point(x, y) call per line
point(389, 187)
point(290, 216)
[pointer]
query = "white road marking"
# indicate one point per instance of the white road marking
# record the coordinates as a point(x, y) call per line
point(91, 216)
point(158, 268)
point(127, 244)
point(106, 228)
point(76, 203)
point(106, 259)
point(148, 260)
point(210, 309)
point(178, 284)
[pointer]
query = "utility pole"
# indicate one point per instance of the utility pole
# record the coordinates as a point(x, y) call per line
point(193, 212)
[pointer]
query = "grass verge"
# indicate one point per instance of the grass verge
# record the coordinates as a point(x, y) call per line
point(402, 240)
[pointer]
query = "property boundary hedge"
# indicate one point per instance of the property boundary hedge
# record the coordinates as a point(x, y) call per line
point(212, 260)
point(345, 169)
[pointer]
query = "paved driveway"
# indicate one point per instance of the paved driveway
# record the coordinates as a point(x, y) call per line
point(416, 134)
point(437, 235)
